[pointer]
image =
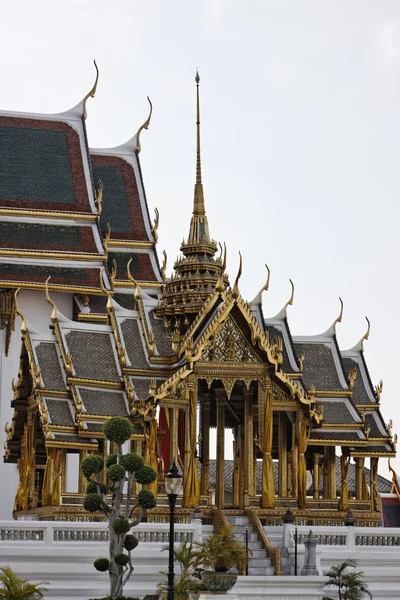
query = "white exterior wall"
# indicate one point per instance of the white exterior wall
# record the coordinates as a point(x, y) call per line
point(37, 312)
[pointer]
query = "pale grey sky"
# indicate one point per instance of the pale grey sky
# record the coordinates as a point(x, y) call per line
point(300, 105)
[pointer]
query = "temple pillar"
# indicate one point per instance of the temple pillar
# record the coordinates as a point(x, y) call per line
point(248, 447)
point(205, 445)
point(316, 475)
point(82, 484)
point(186, 458)
point(359, 477)
point(236, 466)
point(220, 395)
point(326, 493)
point(332, 472)
point(282, 466)
point(294, 453)
point(173, 433)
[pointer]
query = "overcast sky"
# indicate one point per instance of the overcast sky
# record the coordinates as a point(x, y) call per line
point(300, 119)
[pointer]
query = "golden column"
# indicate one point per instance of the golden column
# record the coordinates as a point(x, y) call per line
point(205, 445)
point(294, 453)
point(173, 436)
point(316, 476)
point(248, 447)
point(332, 472)
point(326, 492)
point(220, 395)
point(282, 467)
point(376, 505)
point(359, 477)
point(236, 465)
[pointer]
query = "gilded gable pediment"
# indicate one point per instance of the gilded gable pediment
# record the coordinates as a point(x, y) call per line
point(231, 346)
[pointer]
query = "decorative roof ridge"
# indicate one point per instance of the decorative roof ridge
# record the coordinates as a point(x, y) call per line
point(258, 299)
point(282, 314)
point(326, 335)
point(131, 146)
point(359, 347)
point(148, 332)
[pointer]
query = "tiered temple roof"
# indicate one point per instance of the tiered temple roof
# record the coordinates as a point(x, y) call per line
point(138, 344)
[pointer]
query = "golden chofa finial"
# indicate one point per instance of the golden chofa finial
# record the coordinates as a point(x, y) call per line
point(164, 267)
point(220, 286)
point(339, 319)
point(144, 126)
point(290, 301)
point(50, 301)
point(137, 294)
point(98, 196)
point(366, 335)
point(19, 313)
point(265, 288)
point(92, 91)
point(105, 291)
point(156, 224)
point(235, 289)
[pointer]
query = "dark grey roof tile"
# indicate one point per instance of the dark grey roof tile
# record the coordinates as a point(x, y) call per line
point(92, 355)
point(134, 344)
point(319, 366)
point(60, 412)
point(103, 402)
point(49, 365)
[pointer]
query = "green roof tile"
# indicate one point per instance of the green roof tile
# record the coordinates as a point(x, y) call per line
point(36, 233)
point(35, 166)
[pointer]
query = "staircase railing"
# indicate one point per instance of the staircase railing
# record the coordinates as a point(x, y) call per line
point(219, 520)
point(273, 553)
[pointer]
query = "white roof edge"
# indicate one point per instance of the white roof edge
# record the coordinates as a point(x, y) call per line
point(128, 148)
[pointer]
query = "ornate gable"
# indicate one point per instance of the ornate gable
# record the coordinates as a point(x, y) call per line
point(231, 346)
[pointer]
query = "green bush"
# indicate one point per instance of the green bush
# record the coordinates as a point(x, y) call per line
point(92, 464)
point(121, 525)
point(121, 559)
point(118, 429)
point(130, 542)
point(92, 502)
point(116, 472)
point(111, 459)
point(145, 475)
point(132, 462)
point(146, 499)
point(91, 487)
point(101, 564)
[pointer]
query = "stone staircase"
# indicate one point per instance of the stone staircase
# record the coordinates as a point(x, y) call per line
point(259, 563)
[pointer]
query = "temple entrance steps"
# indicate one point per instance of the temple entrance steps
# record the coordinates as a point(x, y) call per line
point(259, 563)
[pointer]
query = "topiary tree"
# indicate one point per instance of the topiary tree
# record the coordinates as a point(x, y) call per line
point(123, 513)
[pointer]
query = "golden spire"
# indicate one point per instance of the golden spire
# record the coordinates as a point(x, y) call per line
point(198, 224)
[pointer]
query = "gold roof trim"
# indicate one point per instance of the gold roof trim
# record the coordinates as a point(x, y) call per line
point(92, 92)
point(128, 244)
point(148, 332)
point(60, 255)
point(53, 214)
point(54, 287)
point(144, 126)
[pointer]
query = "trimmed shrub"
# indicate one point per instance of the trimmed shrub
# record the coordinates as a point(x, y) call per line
point(92, 502)
point(121, 559)
point(111, 459)
point(116, 472)
point(121, 525)
point(130, 542)
point(118, 429)
point(145, 475)
point(146, 499)
point(132, 462)
point(101, 564)
point(92, 464)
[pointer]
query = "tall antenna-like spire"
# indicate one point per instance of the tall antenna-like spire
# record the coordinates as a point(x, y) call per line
point(198, 225)
point(198, 208)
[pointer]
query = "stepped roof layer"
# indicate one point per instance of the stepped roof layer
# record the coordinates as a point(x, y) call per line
point(65, 212)
point(135, 336)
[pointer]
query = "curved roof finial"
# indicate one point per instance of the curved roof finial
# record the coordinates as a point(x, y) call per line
point(49, 300)
point(290, 301)
point(92, 91)
point(220, 286)
point(265, 288)
point(144, 126)
point(19, 313)
point(366, 335)
point(235, 289)
point(137, 294)
point(339, 319)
